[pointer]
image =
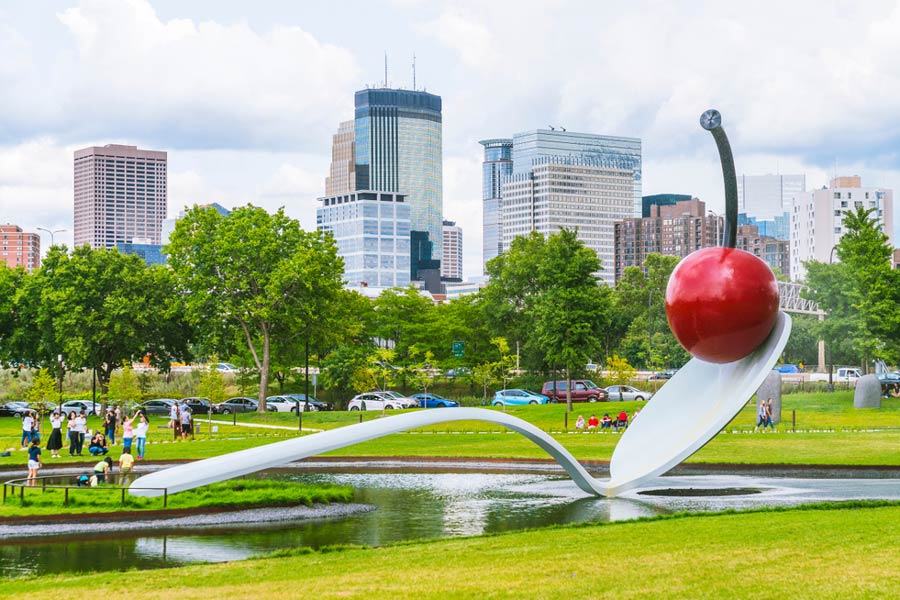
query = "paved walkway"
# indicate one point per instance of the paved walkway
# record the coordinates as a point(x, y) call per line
point(257, 425)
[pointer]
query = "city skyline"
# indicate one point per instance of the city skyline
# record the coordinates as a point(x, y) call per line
point(239, 133)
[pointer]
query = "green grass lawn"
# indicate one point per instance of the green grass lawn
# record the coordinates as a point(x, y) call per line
point(108, 498)
point(829, 431)
point(825, 553)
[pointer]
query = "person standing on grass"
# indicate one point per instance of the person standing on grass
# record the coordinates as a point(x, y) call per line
point(173, 415)
point(54, 444)
point(762, 416)
point(109, 426)
point(186, 422)
point(34, 462)
point(140, 435)
point(27, 427)
point(128, 432)
point(126, 464)
point(81, 429)
point(72, 433)
point(770, 417)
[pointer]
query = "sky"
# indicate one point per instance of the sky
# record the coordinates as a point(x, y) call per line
point(245, 96)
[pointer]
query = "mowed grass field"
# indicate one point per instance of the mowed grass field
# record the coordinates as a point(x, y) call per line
point(829, 431)
point(800, 553)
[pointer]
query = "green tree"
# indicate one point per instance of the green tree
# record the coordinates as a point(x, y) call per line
point(860, 293)
point(641, 331)
point(212, 385)
point(99, 307)
point(43, 389)
point(620, 372)
point(124, 386)
point(545, 294)
point(257, 272)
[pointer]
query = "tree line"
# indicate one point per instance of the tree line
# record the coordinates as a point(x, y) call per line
point(255, 287)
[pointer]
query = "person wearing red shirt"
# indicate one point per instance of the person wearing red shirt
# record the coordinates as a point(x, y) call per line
point(593, 422)
point(622, 420)
point(605, 422)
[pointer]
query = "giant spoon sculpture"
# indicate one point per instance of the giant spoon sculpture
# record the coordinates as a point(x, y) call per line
point(722, 305)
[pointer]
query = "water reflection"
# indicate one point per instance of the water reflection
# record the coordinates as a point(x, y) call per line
point(414, 506)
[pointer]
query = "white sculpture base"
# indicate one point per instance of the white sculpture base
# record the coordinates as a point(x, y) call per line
point(685, 414)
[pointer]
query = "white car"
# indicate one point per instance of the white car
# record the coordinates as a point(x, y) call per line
point(287, 404)
point(382, 401)
point(226, 368)
point(79, 406)
point(627, 393)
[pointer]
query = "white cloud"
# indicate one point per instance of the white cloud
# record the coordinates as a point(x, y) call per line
point(186, 84)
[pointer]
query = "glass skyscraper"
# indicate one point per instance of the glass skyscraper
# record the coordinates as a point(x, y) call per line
point(497, 166)
point(398, 144)
point(767, 200)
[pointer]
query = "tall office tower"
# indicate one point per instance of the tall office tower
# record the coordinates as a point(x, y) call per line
point(398, 149)
point(451, 262)
point(19, 248)
point(497, 166)
point(120, 194)
point(578, 193)
point(342, 174)
point(817, 219)
point(603, 150)
point(372, 233)
point(774, 252)
point(671, 229)
point(766, 200)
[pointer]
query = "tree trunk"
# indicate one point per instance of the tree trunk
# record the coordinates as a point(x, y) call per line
point(568, 391)
point(264, 372)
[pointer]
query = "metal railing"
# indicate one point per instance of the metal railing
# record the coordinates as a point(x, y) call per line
point(109, 485)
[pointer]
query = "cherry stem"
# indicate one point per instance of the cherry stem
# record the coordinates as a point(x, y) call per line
point(729, 238)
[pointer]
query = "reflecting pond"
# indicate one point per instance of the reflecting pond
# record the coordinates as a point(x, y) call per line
point(418, 506)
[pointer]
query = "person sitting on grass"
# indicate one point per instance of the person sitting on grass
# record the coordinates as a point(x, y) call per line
point(98, 445)
point(622, 421)
point(579, 423)
point(102, 469)
point(593, 422)
point(605, 422)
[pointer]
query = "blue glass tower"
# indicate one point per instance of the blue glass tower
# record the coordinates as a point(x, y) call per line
point(399, 149)
point(496, 167)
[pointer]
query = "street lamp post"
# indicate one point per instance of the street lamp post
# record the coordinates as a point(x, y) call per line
point(52, 234)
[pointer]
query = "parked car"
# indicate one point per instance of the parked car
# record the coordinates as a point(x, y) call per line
point(663, 375)
point(626, 392)
point(287, 403)
point(433, 401)
point(199, 406)
point(241, 404)
point(14, 409)
point(319, 404)
point(226, 368)
point(159, 406)
point(381, 401)
point(78, 406)
point(787, 368)
point(517, 397)
point(841, 374)
point(583, 390)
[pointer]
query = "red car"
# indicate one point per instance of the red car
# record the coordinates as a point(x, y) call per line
point(583, 390)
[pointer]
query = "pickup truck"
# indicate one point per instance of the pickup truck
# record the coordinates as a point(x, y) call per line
point(842, 374)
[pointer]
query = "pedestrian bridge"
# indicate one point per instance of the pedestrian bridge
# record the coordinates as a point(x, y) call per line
point(790, 299)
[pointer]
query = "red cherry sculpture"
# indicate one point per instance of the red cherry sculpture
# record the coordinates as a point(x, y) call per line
point(721, 303)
